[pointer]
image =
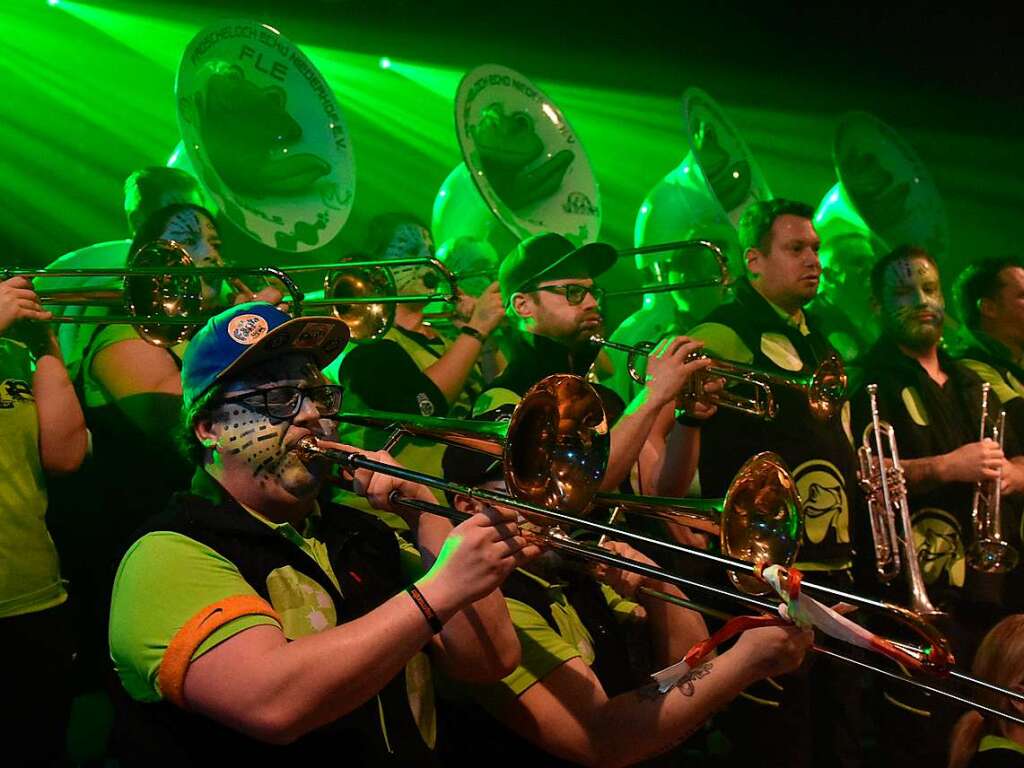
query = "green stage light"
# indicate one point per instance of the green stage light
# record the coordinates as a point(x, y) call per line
point(385, 62)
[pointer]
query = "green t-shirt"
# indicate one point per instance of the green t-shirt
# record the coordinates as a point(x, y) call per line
point(545, 648)
point(82, 346)
point(29, 570)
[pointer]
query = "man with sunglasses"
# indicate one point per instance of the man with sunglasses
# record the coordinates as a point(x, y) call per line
point(547, 285)
point(254, 612)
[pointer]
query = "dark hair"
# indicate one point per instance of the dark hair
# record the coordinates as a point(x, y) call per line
point(900, 253)
point(185, 435)
point(144, 188)
point(152, 228)
point(980, 281)
point(382, 228)
point(755, 225)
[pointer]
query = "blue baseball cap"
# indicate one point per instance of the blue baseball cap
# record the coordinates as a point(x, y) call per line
point(247, 334)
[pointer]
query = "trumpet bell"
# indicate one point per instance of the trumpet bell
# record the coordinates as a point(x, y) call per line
point(992, 556)
point(827, 388)
point(366, 322)
point(558, 444)
point(762, 521)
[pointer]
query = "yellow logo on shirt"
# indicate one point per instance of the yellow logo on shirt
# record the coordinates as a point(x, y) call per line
point(13, 392)
point(304, 606)
point(939, 546)
point(823, 493)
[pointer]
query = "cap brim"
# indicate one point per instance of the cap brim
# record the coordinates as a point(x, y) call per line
point(322, 337)
point(594, 258)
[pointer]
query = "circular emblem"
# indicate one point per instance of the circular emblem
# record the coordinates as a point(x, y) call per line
point(265, 135)
point(823, 491)
point(939, 546)
point(247, 329)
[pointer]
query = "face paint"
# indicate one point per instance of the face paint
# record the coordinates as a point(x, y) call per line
point(251, 442)
point(913, 309)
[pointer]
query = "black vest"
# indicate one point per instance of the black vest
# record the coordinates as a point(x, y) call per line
point(365, 558)
point(817, 452)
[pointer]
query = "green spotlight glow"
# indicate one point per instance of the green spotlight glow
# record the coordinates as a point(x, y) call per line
point(385, 62)
point(52, 3)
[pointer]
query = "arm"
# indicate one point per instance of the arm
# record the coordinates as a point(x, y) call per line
point(276, 691)
point(479, 643)
point(971, 463)
point(62, 435)
point(63, 438)
point(450, 372)
point(144, 382)
point(569, 714)
point(667, 374)
point(674, 630)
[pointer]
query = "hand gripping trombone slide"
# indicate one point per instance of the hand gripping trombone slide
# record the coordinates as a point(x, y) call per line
point(934, 658)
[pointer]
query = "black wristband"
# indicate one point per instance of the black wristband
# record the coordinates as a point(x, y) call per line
point(469, 330)
point(428, 613)
point(682, 417)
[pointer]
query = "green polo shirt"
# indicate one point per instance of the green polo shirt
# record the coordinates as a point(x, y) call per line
point(29, 571)
point(546, 647)
point(167, 578)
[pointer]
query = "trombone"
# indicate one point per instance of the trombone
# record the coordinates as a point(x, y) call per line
point(759, 519)
point(560, 432)
point(825, 387)
point(160, 292)
point(990, 553)
point(886, 493)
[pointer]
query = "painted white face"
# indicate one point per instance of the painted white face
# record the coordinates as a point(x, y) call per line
point(257, 445)
point(913, 308)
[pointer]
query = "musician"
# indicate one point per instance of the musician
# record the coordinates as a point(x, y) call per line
point(146, 191)
point(576, 696)
point(547, 285)
point(984, 741)
point(764, 325)
point(475, 263)
point(131, 394)
point(428, 374)
point(933, 403)
point(283, 619)
point(990, 302)
point(42, 434)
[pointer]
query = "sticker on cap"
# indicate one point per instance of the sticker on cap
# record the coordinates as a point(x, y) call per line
point(313, 335)
point(247, 329)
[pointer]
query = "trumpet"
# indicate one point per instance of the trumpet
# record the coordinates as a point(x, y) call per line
point(886, 492)
point(989, 552)
point(825, 388)
point(538, 425)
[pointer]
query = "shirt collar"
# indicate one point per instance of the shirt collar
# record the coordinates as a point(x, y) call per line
point(205, 486)
point(991, 741)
